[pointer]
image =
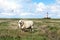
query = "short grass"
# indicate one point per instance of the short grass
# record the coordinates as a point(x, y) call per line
point(44, 29)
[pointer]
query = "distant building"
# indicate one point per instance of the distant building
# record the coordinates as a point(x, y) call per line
point(47, 16)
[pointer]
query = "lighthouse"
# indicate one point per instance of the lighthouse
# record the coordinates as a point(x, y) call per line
point(47, 16)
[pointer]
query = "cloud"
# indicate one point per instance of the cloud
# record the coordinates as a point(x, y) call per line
point(25, 14)
point(7, 4)
point(52, 9)
point(58, 1)
point(27, 8)
point(9, 7)
point(40, 7)
point(55, 8)
point(7, 14)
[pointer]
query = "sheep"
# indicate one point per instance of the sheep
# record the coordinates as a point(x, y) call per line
point(25, 24)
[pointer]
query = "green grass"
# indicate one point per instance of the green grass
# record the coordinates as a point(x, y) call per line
point(44, 29)
point(4, 25)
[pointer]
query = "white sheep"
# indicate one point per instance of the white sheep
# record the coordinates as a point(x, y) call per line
point(26, 24)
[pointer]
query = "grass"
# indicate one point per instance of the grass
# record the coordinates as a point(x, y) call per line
point(44, 29)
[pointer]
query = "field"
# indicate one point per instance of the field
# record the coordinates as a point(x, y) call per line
point(44, 29)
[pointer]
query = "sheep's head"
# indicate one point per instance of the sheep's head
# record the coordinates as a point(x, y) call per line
point(21, 23)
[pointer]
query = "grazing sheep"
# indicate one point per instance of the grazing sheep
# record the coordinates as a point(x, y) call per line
point(26, 24)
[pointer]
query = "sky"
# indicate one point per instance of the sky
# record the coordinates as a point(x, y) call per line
point(29, 8)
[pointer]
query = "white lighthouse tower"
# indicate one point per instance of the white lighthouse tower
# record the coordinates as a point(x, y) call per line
point(47, 16)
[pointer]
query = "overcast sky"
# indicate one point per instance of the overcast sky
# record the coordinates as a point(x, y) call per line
point(29, 8)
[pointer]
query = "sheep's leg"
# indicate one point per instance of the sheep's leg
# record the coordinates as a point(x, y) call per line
point(32, 28)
